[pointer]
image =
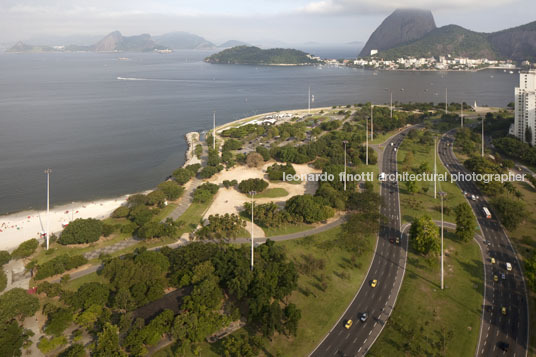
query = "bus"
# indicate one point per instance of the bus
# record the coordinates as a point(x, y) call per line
point(487, 213)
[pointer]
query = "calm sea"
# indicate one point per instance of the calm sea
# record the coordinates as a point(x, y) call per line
point(103, 136)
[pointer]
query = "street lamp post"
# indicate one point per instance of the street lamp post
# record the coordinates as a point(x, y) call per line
point(47, 172)
point(345, 142)
point(461, 115)
point(482, 137)
point(442, 194)
point(366, 142)
point(371, 121)
point(252, 194)
point(435, 168)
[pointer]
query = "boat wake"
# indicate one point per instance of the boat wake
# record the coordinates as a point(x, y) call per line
point(132, 79)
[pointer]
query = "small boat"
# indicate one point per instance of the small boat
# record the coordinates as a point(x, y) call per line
point(511, 72)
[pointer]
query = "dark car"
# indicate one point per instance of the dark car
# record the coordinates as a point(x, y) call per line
point(503, 346)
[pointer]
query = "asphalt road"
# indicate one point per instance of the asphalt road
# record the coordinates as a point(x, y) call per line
point(497, 329)
point(387, 268)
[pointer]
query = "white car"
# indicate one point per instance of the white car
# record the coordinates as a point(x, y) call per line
point(473, 197)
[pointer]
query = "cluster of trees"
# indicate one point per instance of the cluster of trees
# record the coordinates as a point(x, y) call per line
point(58, 265)
point(424, 236)
point(276, 172)
point(513, 147)
point(511, 212)
point(482, 165)
point(5, 257)
point(243, 131)
point(467, 140)
point(82, 230)
point(25, 249)
point(213, 164)
point(465, 222)
point(205, 192)
point(330, 125)
point(15, 305)
point(309, 209)
point(268, 215)
point(229, 183)
point(253, 184)
point(184, 174)
point(221, 227)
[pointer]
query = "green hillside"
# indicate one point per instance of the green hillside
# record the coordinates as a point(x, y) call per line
point(257, 56)
point(452, 39)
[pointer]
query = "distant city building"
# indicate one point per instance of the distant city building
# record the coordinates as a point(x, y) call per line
point(373, 52)
point(525, 107)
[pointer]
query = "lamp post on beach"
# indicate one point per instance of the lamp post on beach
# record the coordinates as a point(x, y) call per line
point(252, 194)
point(47, 172)
point(345, 142)
point(442, 194)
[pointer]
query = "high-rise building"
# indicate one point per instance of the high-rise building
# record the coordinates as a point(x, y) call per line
point(525, 108)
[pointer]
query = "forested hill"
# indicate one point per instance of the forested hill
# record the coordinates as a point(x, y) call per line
point(257, 56)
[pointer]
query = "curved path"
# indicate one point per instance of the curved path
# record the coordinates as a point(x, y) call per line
point(388, 268)
point(496, 329)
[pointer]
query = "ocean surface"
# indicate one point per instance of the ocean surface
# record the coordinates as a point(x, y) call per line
point(104, 136)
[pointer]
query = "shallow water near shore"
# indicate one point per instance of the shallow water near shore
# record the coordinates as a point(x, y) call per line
point(108, 127)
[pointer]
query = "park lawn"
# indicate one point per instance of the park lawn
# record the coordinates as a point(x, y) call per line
point(320, 307)
point(424, 314)
point(286, 229)
point(164, 212)
point(272, 193)
point(524, 242)
point(413, 205)
point(74, 284)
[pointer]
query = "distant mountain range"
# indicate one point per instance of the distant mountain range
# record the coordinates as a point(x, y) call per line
point(256, 56)
point(116, 42)
point(413, 33)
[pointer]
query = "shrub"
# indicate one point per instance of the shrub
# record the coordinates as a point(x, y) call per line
point(5, 257)
point(254, 184)
point(59, 265)
point(3, 280)
point(208, 172)
point(107, 229)
point(81, 231)
point(129, 228)
point(171, 189)
point(45, 345)
point(182, 175)
point(277, 171)
point(156, 197)
point(120, 212)
point(193, 168)
point(25, 249)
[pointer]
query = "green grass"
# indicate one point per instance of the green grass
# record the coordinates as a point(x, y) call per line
point(286, 229)
point(414, 205)
point(164, 212)
point(424, 313)
point(74, 284)
point(320, 308)
point(272, 193)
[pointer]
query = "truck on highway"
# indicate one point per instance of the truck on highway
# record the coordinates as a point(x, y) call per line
point(487, 213)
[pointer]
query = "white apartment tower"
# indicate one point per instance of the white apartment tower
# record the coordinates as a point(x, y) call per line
point(525, 106)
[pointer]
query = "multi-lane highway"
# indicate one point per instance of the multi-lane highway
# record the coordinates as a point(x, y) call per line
point(502, 332)
point(387, 268)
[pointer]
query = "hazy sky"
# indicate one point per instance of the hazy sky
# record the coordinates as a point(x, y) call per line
point(289, 21)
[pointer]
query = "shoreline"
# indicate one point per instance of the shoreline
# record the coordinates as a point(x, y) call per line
point(20, 226)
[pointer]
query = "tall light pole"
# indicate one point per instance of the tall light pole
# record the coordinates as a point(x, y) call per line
point(435, 167)
point(446, 101)
point(345, 142)
point(366, 145)
point(252, 194)
point(309, 101)
point(371, 121)
point(482, 137)
point(47, 172)
point(461, 115)
point(214, 130)
point(442, 194)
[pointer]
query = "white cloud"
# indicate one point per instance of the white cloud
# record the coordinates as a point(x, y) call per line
point(353, 7)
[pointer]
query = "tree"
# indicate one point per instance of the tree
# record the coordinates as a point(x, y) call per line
point(81, 231)
point(276, 172)
point(252, 184)
point(203, 193)
point(59, 264)
point(12, 338)
point(292, 316)
point(232, 144)
point(89, 294)
point(58, 321)
point(465, 223)
point(75, 350)
point(208, 172)
point(120, 212)
point(424, 236)
point(241, 346)
point(530, 271)
point(171, 189)
point(182, 175)
point(511, 212)
point(221, 227)
point(528, 135)
point(308, 208)
point(25, 249)
point(3, 280)
point(156, 197)
point(107, 344)
point(5, 257)
point(140, 215)
point(17, 303)
point(213, 157)
point(254, 159)
point(265, 153)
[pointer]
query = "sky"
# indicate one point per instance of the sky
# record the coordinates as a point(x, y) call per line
point(256, 21)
